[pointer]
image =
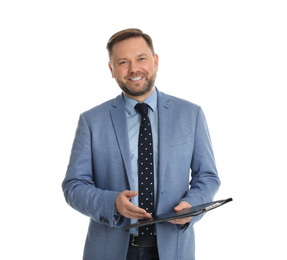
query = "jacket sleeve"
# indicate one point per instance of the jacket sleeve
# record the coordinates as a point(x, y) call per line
point(79, 187)
point(204, 177)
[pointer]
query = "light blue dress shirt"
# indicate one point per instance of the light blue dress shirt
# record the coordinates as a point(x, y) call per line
point(133, 123)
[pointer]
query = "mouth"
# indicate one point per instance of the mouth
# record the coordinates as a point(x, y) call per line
point(136, 79)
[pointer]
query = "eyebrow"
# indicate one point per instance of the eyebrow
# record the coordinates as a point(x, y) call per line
point(141, 55)
point(138, 56)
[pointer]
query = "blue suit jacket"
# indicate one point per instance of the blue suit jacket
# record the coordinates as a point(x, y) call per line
point(100, 168)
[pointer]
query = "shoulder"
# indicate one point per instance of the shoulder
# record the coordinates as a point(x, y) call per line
point(102, 110)
point(178, 104)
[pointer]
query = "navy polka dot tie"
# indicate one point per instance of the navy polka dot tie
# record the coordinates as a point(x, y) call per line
point(145, 169)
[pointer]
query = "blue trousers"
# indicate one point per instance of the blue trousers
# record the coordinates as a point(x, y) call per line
point(142, 253)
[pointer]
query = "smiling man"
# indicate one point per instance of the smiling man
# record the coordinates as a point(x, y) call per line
point(134, 156)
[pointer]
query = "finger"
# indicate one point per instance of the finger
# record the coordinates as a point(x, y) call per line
point(133, 208)
point(138, 213)
point(129, 193)
point(182, 205)
point(178, 208)
point(138, 216)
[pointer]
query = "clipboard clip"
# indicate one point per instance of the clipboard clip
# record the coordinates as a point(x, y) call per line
point(212, 207)
point(215, 205)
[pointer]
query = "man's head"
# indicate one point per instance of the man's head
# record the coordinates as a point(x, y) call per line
point(133, 62)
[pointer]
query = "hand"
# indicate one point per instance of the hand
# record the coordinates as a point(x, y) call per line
point(127, 209)
point(181, 221)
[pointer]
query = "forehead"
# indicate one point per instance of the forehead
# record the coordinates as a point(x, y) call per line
point(130, 47)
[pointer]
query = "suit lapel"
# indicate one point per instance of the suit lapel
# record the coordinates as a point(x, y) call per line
point(120, 127)
point(165, 134)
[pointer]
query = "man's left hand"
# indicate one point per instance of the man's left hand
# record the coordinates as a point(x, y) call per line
point(181, 221)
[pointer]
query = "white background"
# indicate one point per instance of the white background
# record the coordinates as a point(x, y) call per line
point(227, 56)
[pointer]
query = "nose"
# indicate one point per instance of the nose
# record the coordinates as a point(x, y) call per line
point(133, 67)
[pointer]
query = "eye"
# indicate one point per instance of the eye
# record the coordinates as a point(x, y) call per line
point(141, 59)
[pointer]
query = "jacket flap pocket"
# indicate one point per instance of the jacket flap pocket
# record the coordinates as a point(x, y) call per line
point(181, 140)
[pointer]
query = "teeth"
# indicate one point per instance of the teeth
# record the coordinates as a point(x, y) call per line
point(136, 79)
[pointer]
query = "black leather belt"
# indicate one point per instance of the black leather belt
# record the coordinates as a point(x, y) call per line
point(137, 241)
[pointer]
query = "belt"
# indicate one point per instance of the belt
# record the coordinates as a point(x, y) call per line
point(138, 241)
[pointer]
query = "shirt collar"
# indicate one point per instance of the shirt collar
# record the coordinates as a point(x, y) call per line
point(130, 103)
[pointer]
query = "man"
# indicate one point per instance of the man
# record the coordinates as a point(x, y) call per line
point(103, 179)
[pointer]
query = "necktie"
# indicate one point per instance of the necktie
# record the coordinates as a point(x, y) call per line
point(145, 169)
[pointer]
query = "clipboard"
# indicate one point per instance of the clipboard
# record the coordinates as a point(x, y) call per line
point(190, 212)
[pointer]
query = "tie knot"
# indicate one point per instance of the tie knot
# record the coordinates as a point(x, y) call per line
point(142, 108)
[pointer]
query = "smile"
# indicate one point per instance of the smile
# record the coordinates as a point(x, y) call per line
point(136, 79)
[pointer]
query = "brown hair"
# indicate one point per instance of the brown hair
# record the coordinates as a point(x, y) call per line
point(126, 34)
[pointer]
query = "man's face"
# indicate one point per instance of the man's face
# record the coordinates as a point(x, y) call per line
point(134, 66)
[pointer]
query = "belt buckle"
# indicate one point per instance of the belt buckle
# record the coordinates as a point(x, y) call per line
point(139, 244)
point(133, 240)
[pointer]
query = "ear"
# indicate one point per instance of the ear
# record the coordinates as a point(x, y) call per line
point(111, 69)
point(156, 61)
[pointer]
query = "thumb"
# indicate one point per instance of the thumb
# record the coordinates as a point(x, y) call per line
point(130, 193)
point(178, 207)
point(182, 205)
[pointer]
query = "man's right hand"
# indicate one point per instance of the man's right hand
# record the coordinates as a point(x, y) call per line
point(127, 209)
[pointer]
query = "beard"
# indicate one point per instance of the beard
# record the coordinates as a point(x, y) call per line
point(147, 87)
